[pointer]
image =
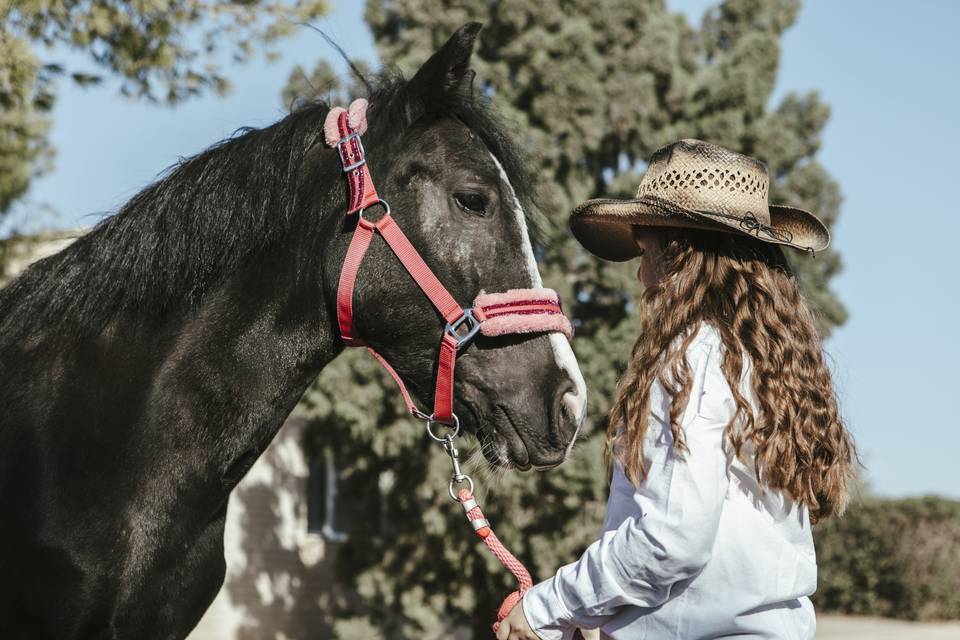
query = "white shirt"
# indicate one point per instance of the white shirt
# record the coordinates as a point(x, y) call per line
point(700, 549)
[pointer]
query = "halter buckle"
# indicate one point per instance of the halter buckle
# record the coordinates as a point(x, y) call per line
point(342, 150)
point(455, 328)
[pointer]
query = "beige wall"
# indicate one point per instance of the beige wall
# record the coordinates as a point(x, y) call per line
point(18, 252)
point(278, 581)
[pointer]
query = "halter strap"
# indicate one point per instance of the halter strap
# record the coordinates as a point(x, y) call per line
point(354, 160)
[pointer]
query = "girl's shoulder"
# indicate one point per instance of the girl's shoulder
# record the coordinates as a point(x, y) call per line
point(706, 339)
point(711, 395)
point(704, 359)
point(704, 353)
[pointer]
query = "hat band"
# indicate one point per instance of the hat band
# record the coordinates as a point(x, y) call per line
point(750, 224)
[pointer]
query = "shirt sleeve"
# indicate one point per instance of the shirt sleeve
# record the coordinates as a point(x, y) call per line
point(670, 526)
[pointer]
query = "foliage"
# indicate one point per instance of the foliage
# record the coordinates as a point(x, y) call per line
point(322, 83)
point(165, 50)
point(896, 558)
point(592, 89)
point(160, 49)
point(24, 150)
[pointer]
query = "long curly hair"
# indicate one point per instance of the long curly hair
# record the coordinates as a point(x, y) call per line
point(746, 290)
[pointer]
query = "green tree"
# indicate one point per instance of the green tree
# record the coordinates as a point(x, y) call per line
point(161, 50)
point(24, 151)
point(592, 88)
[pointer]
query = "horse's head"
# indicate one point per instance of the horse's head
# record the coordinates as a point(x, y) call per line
point(455, 186)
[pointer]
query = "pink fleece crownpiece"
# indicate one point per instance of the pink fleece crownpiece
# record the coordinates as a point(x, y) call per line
point(331, 132)
point(521, 311)
point(357, 115)
point(356, 118)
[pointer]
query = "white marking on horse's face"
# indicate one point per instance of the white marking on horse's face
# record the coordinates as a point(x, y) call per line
point(575, 401)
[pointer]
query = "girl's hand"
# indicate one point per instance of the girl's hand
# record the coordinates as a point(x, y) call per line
point(515, 626)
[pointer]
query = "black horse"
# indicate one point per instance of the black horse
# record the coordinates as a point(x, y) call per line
point(147, 366)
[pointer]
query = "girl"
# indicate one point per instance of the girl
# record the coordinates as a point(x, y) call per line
point(725, 437)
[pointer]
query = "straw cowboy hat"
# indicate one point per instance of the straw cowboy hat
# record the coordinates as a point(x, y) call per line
point(699, 185)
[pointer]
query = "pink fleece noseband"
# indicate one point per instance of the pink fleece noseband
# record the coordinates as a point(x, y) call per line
point(521, 311)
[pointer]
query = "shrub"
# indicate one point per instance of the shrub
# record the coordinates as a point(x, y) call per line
point(894, 558)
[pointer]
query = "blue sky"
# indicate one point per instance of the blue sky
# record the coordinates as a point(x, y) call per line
point(889, 75)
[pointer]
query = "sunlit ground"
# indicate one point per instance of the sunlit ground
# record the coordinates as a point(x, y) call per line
point(855, 628)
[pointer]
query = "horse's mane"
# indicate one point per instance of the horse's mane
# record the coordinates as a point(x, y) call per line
point(209, 214)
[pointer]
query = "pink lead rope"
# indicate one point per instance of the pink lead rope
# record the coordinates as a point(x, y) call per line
point(492, 314)
point(482, 526)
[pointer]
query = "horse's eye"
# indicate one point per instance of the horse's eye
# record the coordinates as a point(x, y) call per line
point(471, 203)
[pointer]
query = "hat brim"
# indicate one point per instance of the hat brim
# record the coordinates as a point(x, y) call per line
point(603, 225)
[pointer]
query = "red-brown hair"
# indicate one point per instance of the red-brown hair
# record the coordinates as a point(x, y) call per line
point(745, 289)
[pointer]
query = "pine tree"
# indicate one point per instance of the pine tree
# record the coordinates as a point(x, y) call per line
point(591, 89)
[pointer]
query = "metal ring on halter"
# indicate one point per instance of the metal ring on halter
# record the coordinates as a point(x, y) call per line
point(453, 434)
point(379, 201)
point(454, 481)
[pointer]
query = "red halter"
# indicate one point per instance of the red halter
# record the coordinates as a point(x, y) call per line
point(515, 311)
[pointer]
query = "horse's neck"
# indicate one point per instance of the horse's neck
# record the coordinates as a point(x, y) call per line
point(239, 365)
point(189, 399)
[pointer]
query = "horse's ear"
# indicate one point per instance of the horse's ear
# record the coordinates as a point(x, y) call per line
point(448, 70)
